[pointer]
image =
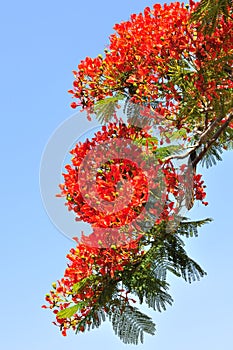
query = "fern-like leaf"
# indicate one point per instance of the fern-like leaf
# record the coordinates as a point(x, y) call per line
point(130, 324)
point(209, 12)
point(149, 285)
point(190, 228)
point(178, 262)
point(105, 109)
point(92, 320)
point(212, 156)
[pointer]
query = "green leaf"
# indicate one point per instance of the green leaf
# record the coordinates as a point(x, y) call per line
point(189, 228)
point(130, 324)
point(78, 287)
point(68, 312)
point(209, 12)
point(166, 151)
point(178, 262)
point(105, 109)
point(212, 156)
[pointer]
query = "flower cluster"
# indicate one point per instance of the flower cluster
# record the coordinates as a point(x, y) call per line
point(109, 187)
point(199, 188)
point(97, 196)
point(149, 49)
point(85, 278)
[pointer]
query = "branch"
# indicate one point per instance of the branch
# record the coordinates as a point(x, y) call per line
point(204, 140)
point(212, 141)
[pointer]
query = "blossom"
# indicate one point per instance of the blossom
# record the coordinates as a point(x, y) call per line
point(115, 180)
point(143, 53)
point(104, 264)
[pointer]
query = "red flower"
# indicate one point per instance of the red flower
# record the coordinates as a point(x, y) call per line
point(86, 261)
point(106, 202)
point(73, 105)
point(143, 51)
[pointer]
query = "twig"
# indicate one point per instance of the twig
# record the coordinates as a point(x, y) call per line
point(204, 140)
point(210, 142)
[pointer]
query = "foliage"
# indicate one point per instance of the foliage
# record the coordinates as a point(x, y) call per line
point(208, 12)
point(130, 324)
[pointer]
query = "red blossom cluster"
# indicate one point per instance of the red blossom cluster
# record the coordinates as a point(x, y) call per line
point(116, 189)
point(144, 51)
point(199, 188)
point(85, 261)
point(100, 202)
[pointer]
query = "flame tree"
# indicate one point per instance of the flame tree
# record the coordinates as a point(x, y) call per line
point(176, 61)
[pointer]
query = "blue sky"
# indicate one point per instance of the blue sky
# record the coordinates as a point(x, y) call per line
point(41, 43)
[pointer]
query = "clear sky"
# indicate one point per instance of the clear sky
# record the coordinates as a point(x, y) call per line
point(41, 43)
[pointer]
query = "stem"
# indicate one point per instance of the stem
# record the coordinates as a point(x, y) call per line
point(204, 140)
point(212, 141)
